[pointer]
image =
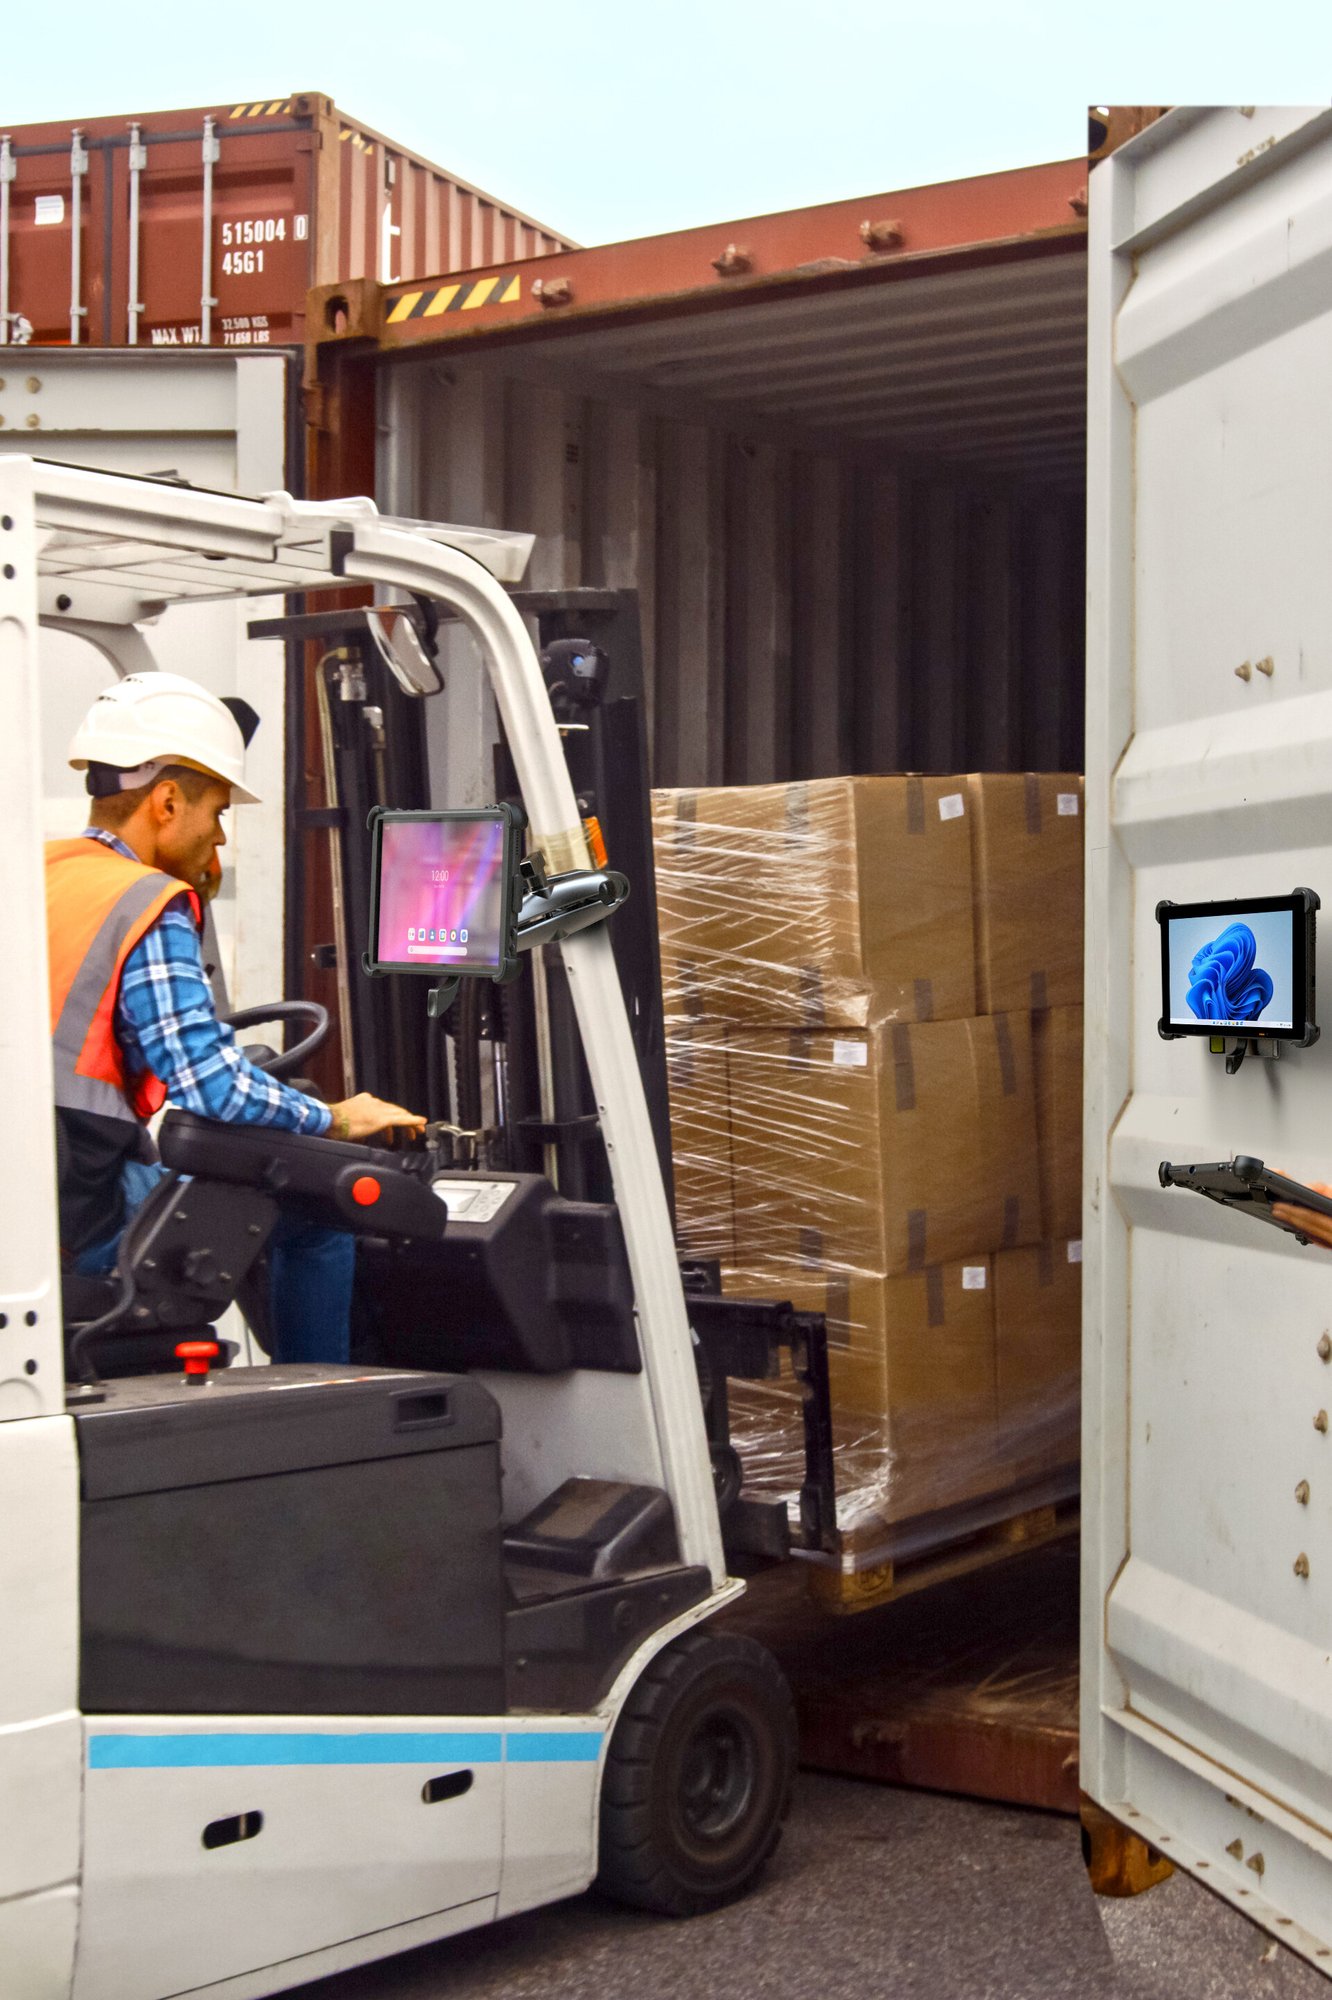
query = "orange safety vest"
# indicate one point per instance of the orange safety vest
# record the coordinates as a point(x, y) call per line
point(99, 905)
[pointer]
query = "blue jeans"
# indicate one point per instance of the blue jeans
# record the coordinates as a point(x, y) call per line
point(310, 1271)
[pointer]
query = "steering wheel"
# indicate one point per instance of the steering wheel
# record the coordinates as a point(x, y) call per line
point(291, 1061)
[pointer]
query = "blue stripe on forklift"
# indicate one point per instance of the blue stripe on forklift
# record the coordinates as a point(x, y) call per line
point(142, 1753)
point(257, 1750)
point(573, 1746)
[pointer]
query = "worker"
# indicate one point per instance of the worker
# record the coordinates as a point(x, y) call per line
point(132, 1016)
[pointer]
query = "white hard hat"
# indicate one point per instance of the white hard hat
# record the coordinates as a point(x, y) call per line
point(163, 718)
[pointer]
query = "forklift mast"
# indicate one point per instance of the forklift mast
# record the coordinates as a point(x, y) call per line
point(506, 1066)
point(604, 730)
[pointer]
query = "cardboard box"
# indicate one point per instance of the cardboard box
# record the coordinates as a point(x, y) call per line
point(912, 1370)
point(697, 1078)
point(1038, 1355)
point(1027, 835)
point(882, 1150)
point(832, 903)
point(1057, 1060)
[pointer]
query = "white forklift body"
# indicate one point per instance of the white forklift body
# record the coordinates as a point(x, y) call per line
point(107, 1891)
point(1207, 1484)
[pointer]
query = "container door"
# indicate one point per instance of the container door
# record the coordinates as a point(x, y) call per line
point(56, 217)
point(1207, 1629)
point(214, 420)
point(252, 229)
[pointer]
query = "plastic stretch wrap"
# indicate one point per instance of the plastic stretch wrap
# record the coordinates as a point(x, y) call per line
point(851, 1136)
point(948, 1386)
point(828, 904)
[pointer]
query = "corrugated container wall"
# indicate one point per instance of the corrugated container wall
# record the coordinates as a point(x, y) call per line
point(808, 609)
point(181, 228)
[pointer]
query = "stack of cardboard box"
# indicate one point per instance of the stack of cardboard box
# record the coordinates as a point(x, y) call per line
point(874, 1048)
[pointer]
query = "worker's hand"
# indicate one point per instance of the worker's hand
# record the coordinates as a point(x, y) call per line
point(360, 1117)
point(1318, 1228)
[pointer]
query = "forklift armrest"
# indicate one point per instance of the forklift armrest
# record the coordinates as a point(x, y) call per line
point(353, 1187)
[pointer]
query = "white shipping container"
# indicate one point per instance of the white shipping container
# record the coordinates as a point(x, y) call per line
point(1207, 1627)
point(212, 418)
point(215, 419)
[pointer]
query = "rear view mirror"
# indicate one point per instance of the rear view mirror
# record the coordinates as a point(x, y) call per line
point(399, 646)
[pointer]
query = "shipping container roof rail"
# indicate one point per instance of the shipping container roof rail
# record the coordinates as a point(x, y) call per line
point(845, 244)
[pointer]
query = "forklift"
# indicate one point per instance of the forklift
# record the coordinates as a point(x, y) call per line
point(303, 1666)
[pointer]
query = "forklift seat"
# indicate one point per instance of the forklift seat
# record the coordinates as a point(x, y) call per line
point(84, 1299)
point(181, 1259)
point(188, 1250)
point(124, 1352)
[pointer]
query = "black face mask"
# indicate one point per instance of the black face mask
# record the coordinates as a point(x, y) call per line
point(103, 781)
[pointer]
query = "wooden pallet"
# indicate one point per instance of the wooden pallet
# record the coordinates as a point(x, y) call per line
point(969, 1686)
point(843, 1590)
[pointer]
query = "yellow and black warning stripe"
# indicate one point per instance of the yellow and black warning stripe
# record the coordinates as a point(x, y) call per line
point(267, 107)
point(462, 295)
point(358, 139)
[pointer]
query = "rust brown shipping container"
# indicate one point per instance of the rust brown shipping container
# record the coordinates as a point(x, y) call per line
point(838, 452)
point(208, 227)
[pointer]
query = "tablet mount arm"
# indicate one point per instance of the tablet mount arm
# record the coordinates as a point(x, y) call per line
point(554, 907)
point(1243, 1047)
point(558, 906)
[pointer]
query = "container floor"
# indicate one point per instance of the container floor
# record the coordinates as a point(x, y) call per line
point(874, 1890)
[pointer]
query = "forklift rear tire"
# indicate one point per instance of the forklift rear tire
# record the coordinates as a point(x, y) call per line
point(698, 1776)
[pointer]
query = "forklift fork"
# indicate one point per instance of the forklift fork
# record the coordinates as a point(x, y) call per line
point(744, 1340)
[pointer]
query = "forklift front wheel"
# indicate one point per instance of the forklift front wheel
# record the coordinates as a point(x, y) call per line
point(698, 1776)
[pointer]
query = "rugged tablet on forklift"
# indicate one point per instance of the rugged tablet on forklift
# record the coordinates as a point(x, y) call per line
point(1244, 967)
point(1246, 1184)
point(443, 891)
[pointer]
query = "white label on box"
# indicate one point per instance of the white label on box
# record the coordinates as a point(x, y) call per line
point(951, 806)
point(472, 1201)
point(48, 211)
point(851, 1055)
point(1068, 805)
point(973, 1277)
point(1075, 1251)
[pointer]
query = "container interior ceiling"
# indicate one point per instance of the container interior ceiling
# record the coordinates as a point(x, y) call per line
point(853, 513)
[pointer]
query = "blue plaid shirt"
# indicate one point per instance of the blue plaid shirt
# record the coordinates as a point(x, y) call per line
point(166, 1022)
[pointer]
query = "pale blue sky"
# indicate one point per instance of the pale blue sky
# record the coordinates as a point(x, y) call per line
point(609, 120)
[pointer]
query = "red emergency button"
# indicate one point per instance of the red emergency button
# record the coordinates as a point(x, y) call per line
point(196, 1354)
point(365, 1190)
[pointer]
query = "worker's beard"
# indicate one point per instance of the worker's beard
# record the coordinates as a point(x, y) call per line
point(210, 881)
